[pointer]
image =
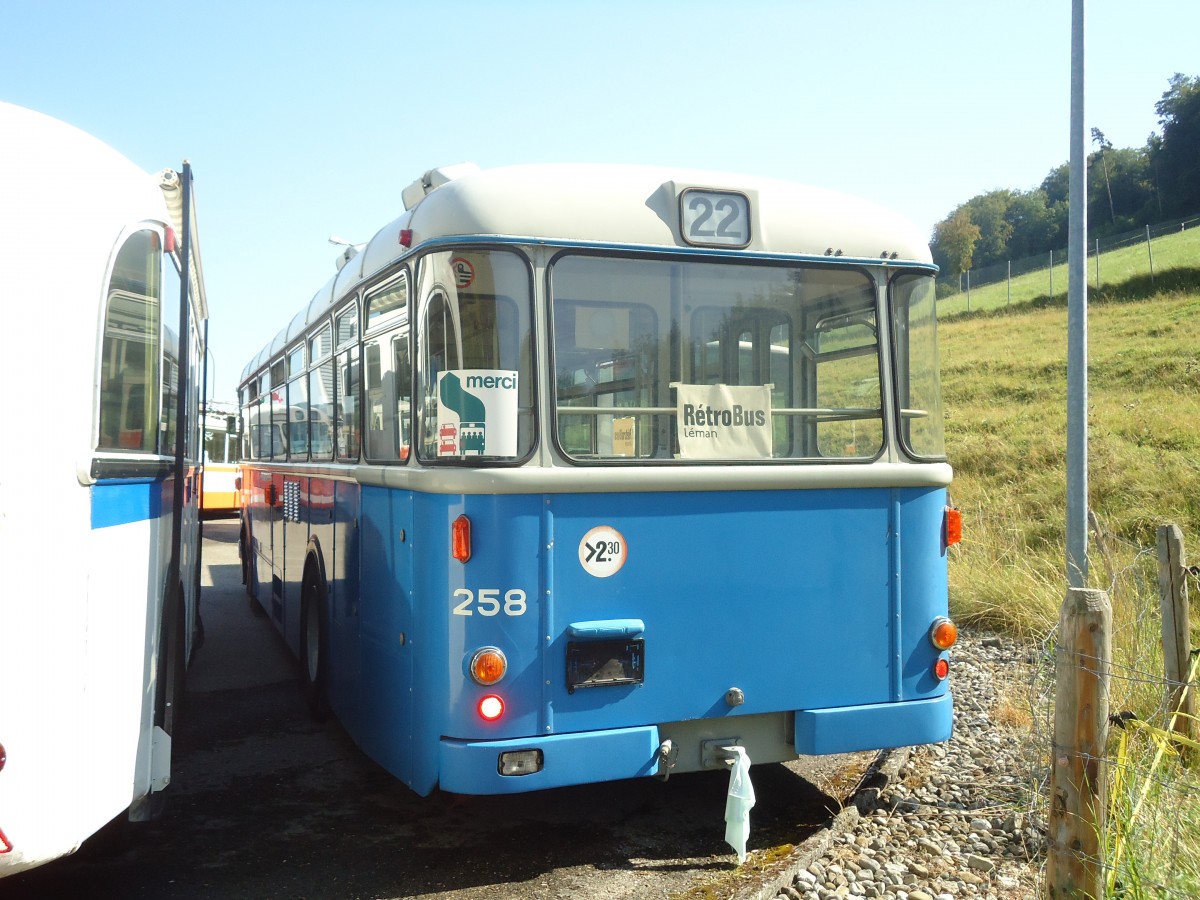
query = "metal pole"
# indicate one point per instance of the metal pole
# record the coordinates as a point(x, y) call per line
point(1097, 263)
point(1077, 447)
point(1150, 250)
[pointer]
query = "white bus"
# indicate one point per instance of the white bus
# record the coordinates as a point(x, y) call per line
point(100, 348)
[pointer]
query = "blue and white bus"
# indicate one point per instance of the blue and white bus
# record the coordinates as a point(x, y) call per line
point(103, 330)
point(581, 473)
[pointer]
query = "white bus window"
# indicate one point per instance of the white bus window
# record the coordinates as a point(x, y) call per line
point(295, 361)
point(320, 409)
point(604, 356)
point(346, 417)
point(320, 345)
point(846, 380)
point(475, 357)
point(918, 387)
point(387, 303)
point(129, 367)
point(632, 335)
point(297, 419)
point(347, 327)
point(389, 380)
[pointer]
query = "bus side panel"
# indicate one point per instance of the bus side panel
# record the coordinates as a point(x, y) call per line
point(380, 717)
point(293, 521)
point(130, 551)
point(342, 578)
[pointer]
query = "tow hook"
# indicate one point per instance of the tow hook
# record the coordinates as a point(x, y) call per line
point(667, 754)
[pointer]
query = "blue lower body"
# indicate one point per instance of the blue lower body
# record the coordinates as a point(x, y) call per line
point(473, 767)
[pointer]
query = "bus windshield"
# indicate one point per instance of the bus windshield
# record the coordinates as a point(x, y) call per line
point(689, 359)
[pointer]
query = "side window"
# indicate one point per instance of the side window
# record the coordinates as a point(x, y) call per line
point(320, 396)
point(346, 417)
point(389, 380)
point(275, 422)
point(388, 302)
point(347, 327)
point(169, 408)
point(474, 359)
point(402, 367)
point(297, 418)
point(131, 348)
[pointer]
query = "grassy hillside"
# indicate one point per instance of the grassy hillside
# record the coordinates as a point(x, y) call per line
point(1117, 269)
point(1004, 377)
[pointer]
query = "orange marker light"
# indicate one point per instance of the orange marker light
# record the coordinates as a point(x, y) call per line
point(460, 539)
point(491, 707)
point(943, 634)
point(953, 527)
point(488, 665)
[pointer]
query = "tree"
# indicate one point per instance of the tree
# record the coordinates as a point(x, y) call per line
point(1177, 160)
point(1104, 144)
point(1035, 226)
point(954, 241)
point(990, 212)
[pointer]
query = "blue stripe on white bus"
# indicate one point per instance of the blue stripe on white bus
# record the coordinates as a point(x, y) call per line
point(123, 502)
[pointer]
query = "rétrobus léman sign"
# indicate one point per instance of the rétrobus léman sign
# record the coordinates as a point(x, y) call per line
point(723, 421)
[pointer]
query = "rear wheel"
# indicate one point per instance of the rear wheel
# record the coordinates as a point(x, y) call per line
point(314, 648)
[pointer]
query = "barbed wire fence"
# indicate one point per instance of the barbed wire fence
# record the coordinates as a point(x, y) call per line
point(1150, 832)
point(1054, 262)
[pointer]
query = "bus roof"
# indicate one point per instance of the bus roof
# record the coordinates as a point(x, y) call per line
point(63, 174)
point(614, 205)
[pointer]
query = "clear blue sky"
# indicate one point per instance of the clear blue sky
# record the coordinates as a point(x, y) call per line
point(305, 119)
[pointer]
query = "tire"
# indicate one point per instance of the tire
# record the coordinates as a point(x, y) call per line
point(314, 648)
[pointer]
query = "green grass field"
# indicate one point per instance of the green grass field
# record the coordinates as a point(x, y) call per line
point(1004, 381)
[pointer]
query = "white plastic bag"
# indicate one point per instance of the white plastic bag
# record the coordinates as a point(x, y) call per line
point(738, 804)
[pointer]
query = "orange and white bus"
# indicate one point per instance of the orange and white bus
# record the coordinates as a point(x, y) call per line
point(219, 494)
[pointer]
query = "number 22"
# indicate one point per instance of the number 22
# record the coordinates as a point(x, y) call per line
point(706, 208)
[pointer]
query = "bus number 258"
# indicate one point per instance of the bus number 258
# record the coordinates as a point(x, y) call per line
point(488, 602)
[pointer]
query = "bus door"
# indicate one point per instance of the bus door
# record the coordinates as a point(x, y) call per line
point(387, 539)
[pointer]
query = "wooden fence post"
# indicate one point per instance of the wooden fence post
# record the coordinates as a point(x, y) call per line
point(1079, 776)
point(1176, 635)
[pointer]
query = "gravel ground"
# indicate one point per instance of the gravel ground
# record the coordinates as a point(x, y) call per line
point(954, 820)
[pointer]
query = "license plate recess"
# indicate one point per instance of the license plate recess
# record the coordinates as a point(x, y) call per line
point(605, 663)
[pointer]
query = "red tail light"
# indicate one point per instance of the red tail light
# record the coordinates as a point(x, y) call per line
point(491, 708)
